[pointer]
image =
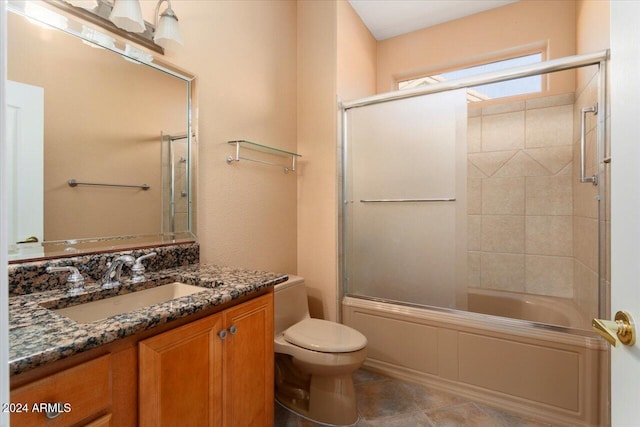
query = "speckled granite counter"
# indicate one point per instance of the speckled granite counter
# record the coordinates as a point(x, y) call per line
point(39, 336)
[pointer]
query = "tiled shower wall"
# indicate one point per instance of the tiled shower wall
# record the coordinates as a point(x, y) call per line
point(520, 197)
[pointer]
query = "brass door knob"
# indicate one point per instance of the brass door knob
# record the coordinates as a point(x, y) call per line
point(621, 328)
point(32, 239)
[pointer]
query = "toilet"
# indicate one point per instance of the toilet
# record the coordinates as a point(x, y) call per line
point(314, 359)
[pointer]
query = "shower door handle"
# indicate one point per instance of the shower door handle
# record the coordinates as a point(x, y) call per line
point(620, 329)
point(583, 144)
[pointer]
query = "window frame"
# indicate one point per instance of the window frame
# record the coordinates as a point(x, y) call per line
point(537, 48)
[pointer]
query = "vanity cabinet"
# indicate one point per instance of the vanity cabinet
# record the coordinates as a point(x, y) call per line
point(217, 371)
point(69, 397)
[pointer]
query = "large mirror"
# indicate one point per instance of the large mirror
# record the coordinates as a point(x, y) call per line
point(101, 139)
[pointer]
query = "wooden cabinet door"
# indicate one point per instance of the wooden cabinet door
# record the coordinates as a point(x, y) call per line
point(180, 380)
point(248, 364)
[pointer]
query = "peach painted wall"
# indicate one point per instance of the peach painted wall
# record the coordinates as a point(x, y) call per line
point(526, 23)
point(336, 55)
point(592, 33)
point(357, 55)
point(317, 131)
point(244, 54)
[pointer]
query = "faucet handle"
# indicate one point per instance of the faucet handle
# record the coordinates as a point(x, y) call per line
point(143, 257)
point(75, 280)
point(137, 271)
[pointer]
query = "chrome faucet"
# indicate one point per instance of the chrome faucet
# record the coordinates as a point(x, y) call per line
point(111, 278)
point(137, 271)
point(75, 280)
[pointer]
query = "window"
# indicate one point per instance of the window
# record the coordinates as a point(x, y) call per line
point(520, 86)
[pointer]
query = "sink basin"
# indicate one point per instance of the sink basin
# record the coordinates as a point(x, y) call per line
point(101, 309)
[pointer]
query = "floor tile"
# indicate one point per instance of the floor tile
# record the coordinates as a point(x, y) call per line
point(378, 399)
point(464, 415)
point(428, 398)
point(414, 419)
point(387, 402)
point(363, 375)
point(506, 419)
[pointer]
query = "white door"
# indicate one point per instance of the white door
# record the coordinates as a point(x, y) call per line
point(25, 136)
point(625, 204)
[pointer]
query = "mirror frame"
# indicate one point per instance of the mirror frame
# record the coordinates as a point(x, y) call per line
point(122, 46)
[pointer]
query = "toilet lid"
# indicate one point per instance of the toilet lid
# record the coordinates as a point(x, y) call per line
point(325, 336)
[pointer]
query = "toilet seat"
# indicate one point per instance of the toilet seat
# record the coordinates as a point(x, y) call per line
point(324, 336)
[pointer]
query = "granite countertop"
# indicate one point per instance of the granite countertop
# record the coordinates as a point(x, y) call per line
point(39, 336)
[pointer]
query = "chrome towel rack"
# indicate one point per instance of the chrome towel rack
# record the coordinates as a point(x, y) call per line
point(265, 149)
point(73, 183)
point(406, 200)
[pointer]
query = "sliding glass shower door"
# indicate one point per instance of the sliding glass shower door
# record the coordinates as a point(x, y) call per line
point(405, 200)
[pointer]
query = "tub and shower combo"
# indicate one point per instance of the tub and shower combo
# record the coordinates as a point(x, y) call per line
point(474, 239)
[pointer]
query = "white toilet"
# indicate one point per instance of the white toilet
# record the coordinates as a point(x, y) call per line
point(314, 359)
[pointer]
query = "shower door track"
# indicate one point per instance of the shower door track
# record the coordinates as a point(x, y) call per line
point(551, 66)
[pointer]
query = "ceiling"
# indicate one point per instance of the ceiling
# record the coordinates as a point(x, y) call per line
point(390, 18)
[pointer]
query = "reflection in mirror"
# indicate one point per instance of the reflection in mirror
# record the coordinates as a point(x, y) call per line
point(96, 114)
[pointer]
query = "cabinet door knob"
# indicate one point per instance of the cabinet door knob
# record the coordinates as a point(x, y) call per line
point(222, 334)
point(233, 329)
point(55, 413)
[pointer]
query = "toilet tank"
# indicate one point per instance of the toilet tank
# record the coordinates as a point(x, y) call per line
point(290, 304)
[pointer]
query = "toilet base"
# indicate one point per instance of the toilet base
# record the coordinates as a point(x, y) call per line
point(334, 416)
point(324, 399)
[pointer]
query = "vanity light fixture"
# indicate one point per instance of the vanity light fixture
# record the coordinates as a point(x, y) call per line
point(124, 18)
point(167, 31)
point(85, 4)
point(127, 14)
point(99, 39)
point(43, 17)
point(138, 54)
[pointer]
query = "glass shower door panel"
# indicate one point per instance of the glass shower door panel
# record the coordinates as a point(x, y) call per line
point(405, 253)
point(403, 245)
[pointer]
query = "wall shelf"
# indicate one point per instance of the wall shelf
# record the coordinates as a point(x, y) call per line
point(264, 149)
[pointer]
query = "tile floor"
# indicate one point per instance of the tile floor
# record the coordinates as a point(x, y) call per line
point(387, 402)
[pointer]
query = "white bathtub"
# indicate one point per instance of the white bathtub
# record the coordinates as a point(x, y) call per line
point(554, 374)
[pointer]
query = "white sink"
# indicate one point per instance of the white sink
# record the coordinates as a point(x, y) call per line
point(101, 309)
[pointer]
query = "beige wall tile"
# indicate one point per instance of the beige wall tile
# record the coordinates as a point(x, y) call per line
point(585, 241)
point(590, 161)
point(474, 172)
point(567, 170)
point(549, 195)
point(548, 275)
point(584, 199)
point(474, 134)
point(503, 107)
point(547, 127)
point(474, 111)
point(550, 101)
point(473, 268)
point(549, 235)
point(521, 165)
point(489, 163)
point(503, 196)
point(503, 132)
point(474, 232)
point(586, 293)
point(502, 233)
point(502, 271)
point(554, 159)
point(474, 196)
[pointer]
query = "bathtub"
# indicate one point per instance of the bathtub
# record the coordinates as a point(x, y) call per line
point(534, 308)
point(555, 374)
